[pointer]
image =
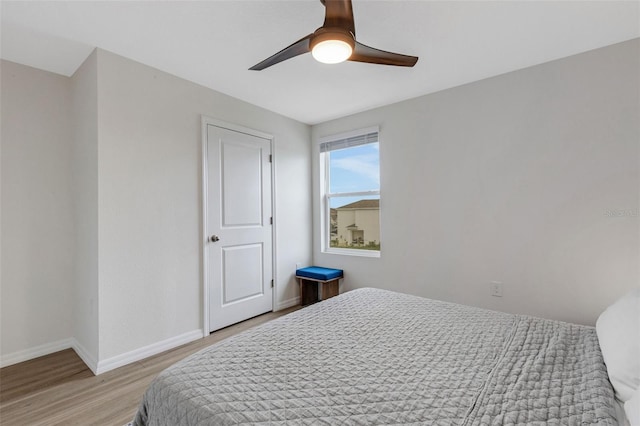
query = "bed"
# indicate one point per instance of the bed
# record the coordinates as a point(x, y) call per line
point(372, 357)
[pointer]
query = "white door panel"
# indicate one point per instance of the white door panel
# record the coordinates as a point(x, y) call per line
point(239, 259)
point(241, 175)
point(242, 271)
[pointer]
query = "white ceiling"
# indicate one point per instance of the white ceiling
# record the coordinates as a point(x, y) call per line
point(213, 43)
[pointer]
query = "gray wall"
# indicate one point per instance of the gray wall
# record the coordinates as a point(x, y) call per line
point(84, 160)
point(150, 200)
point(510, 179)
point(101, 208)
point(37, 224)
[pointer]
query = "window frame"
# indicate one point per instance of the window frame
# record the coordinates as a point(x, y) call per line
point(326, 195)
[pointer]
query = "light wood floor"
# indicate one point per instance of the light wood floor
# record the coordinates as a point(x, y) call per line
point(58, 389)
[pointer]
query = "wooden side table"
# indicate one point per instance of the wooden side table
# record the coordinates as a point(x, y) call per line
point(318, 284)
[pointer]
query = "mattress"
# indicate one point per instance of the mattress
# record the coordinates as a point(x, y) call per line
point(374, 357)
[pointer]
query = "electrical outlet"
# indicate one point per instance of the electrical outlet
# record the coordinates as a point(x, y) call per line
point(496, 288)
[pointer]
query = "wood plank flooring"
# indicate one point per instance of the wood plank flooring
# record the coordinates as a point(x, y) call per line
point(58, 389)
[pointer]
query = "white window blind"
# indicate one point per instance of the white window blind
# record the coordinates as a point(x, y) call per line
point(349, 142)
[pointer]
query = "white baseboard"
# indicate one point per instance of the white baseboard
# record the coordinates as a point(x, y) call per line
point(99, 367)
point(147, 351)
point(85, 356)
point(35, 352)
point(287, 303)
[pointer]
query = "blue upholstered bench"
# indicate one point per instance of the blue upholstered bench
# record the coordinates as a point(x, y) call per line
point(317, 283)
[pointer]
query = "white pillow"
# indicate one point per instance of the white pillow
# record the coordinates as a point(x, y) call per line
point(632, 409)
point(618, 329)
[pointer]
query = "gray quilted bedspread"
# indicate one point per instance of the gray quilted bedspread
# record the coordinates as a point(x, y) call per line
point(372, 357)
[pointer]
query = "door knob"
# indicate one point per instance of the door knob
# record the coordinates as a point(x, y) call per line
point(214, 239)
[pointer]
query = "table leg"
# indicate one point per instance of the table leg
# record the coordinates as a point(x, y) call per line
point(308, 292)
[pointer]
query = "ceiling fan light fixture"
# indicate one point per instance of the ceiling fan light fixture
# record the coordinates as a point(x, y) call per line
point(331, 51)
point(332, 46)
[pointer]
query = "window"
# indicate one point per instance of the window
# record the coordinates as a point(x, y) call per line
point(350, 166)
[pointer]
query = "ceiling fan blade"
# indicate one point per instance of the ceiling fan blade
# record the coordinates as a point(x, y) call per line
point(363, 53)
point(339, 14)
point(298, 48)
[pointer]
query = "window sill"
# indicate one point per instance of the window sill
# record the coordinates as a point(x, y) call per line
point(352, 252)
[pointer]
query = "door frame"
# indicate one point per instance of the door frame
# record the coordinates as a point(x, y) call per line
point(206, 121)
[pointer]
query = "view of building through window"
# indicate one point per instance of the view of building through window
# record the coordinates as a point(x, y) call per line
point(356, 225)
point(354, 197)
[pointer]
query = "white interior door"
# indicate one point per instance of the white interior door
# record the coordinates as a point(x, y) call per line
point(238, 226)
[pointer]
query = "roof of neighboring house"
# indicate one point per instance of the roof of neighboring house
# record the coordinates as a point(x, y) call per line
point(362, 204)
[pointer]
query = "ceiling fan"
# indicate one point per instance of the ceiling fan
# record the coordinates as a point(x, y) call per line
point(335, 42)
